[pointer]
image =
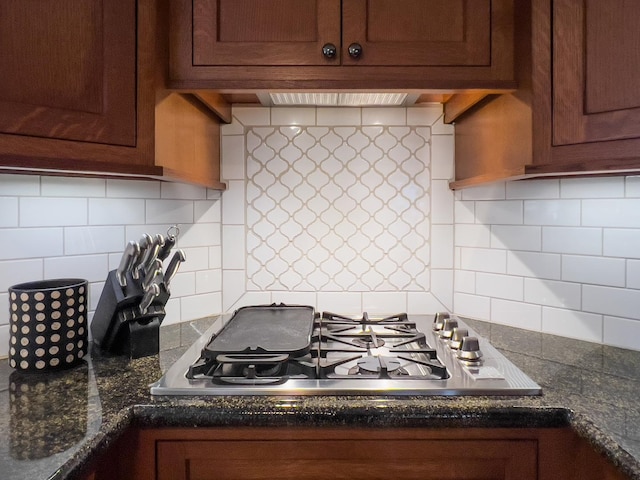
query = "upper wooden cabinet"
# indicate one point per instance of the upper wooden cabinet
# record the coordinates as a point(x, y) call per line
point(578, 106)
point(82, 90)
point(257, 44)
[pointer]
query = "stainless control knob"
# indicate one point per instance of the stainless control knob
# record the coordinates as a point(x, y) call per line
point(457, 336)
point(447, 328)
point(469, 350)
point(329, 50)
point(438, 321)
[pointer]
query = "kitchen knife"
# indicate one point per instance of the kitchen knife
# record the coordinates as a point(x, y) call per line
point(150, 255)
point(152, 274)
point(165, 250)
point(176, 260)
point(131, 252)
point(152, 292)
point(144, 243)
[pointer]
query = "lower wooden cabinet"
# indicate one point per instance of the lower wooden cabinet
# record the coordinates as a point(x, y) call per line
point(251, 453)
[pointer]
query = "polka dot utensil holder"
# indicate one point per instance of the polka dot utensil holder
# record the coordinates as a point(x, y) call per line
point(48, 324)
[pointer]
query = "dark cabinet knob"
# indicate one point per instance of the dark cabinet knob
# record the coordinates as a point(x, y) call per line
point(329, 50)
point(355, 50)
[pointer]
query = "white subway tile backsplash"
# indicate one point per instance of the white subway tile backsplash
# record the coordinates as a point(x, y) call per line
point(442, 202)
point(182, 191)
point(552, 212)
point(233, 201)
point(441, 128)
point(472, 235)
point(611, 213)
point(116, 211)
point(621, 243)
point(617, 302)
point(622, 332)
point(234, 257)
point(340, 302)
point(633, 274)
point(473, 306)
point(384, 302)
point(52, 212)
point(499, 286)
point(293, 116)
point(493, 191)
point(632, 186)
point(93, 268)
point(483, 260)
point(132, 189)
point(573, 324)
point(72, 187)
point(577, 240)
point(442, 246)
point(552, 293)
point(4, 340)
point(465, 281)
point(198, 306)
point(424, 114)
point(90, 240)
point(215, 256)
point(442, 287)
point(384, 116)
point(197, 258)
point(506, 212)
point(13, 272)
point(207, 211)
point(533, 264)
point(516, 237)
point(183, 284)
point(172, 312)
point(516, 314)
point(464, 212)
point(17, 243)
point(595, 270)
point(599, 187)
point(169, 212)
point(426, 303)
point(298, 298)
point(199, 235)
point(338, 116)
point(533, 189)
point(234, 282)
point(232, 157)
point(442, 155)
point(24, 185)
point(252, 116)
point(9, 209)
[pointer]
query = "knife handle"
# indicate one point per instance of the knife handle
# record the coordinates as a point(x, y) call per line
point(145, 243)
point(165, 250)
point(178, 257)
point(152, 292)
point(131, 251)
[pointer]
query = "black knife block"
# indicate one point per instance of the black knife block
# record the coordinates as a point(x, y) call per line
point(119, 327)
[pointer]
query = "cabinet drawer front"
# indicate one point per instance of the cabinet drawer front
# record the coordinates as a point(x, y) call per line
point(347, 459)
point(264, 32)
point(69, 70)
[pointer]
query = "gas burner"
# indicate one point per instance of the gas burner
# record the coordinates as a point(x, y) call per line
point(368, 341)
point(365, 319)
point(379, 365)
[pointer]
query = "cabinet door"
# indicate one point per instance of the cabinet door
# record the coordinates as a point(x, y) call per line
point(347, 459)
point(69, 70)
point(596, 66)
point(418, 32)
point(264, 32)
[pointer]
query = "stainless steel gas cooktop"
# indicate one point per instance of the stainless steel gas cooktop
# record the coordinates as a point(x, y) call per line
point(293, 350)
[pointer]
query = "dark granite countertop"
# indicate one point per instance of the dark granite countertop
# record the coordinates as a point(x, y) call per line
point(52, 425)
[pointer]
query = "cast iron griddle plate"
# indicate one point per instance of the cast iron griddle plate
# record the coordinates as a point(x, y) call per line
point(268, 329)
